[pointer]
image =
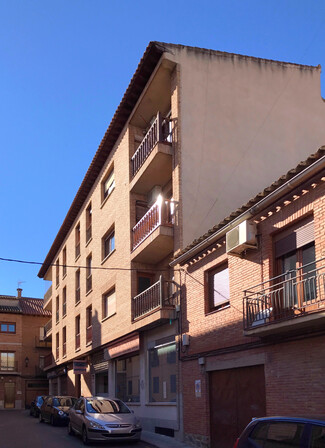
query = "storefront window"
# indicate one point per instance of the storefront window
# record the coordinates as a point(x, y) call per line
point(101, 383)
point(162, 373)
point(127, 379)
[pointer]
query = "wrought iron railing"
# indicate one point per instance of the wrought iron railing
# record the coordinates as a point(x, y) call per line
point(48, 328)
point(158, 132)
point(9, 366)
point(287, 296)
point(155, 297)
point(47, 296)
point(161, 213)
point(48, 360)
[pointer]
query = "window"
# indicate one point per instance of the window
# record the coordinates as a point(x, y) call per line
point(64, 341)
point(8, 327)
point(108, 185)
point(295, 264)
point(88, 222)
point(128, 379)
point(109, 304)
point(162, 373)
point(89, 327)
point(7, 361)
point(64, 301)
point(57, 272)
point(108, 244)
point(77, 332)
point(57, 308)
point(77, 282)
point(217, 287)
point(101, 381)
point(88, 273)
point(278, 434)
point(64, 262)
point(57, 342)
point(77, 240)
point(144, 281)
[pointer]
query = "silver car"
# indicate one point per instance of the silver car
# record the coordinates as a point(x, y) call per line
point(103, 419)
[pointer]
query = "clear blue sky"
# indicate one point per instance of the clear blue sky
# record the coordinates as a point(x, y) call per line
point(64, 66)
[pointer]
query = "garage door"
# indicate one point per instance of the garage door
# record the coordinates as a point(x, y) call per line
point(236, 396)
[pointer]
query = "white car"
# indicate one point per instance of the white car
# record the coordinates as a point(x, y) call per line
point(103, 419)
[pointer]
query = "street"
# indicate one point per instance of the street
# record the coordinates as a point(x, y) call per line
point(19, 430)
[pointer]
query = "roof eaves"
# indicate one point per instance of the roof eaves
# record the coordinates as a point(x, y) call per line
point(140, 78)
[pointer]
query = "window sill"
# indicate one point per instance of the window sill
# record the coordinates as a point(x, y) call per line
point(107, 317)
point(56, 286)
point(64, 276)
point(63, 316)
point(63, 357)
point(77, 303)
point(88, 292)
point(217, 310)
point(89, 241)
point(77, 258)
point(107, 256)
point(89, 343)
point(78, 349)
point(106, 199)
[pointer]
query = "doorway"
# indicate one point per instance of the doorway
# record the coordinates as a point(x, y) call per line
point(10, 394)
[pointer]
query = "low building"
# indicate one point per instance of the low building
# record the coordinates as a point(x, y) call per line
point(22, 350)
point(253, 311)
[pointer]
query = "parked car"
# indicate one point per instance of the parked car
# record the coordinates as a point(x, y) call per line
point(55, 410)
point(36, 404)
point(281, 432)
point(103, 419)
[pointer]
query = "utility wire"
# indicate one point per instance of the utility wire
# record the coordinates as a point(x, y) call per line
point(83, 267)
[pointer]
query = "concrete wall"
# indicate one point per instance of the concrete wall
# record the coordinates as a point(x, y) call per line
point(244, 122)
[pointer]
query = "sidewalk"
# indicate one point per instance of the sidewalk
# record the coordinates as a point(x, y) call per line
point(160, 441)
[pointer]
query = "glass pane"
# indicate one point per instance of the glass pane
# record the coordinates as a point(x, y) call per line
point(289, 433)
point(127, 379)
point(308, 273)
point(219, 287)
point(162, 373)
point(289, 264)
point(12, 328)
point(4, 327)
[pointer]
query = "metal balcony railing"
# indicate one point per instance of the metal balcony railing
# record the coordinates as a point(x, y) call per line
point(48, 328)
point(40, 343)
point(161, 213)
point(9, 366)
point(47, 296)
point(155, 297)
point(48, 360)
point(290, 295)
point(160, 131)
point(89, 334)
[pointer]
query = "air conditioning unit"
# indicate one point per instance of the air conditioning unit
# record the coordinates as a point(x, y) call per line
point(241, 238)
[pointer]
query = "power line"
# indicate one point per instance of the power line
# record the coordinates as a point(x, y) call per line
point(12, 260)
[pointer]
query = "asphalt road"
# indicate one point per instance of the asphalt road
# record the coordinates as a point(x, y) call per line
point(19, 430)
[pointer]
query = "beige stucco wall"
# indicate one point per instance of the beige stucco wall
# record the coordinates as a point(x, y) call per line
point(243, 123)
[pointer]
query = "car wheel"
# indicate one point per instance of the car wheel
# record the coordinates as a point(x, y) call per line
point(70, 430)
point(52, 420)
point(85, 436)
point(40, 418)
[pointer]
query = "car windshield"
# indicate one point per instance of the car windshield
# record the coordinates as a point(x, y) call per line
point(64, 401)
point(105, 406)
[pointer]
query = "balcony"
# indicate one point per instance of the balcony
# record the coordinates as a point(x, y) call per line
point(155, 304)
point(47, 304)
point(48, 329)
point(41, 343)
point(48, 360)
point(152, 236)
point(292, 302)
point(8, 367)
point(152, 161)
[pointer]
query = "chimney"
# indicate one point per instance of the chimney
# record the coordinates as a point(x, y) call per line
point(19, 291)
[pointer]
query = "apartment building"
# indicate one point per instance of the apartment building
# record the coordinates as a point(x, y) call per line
point(22, 350)
point(196, 132)
point(253, 311)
